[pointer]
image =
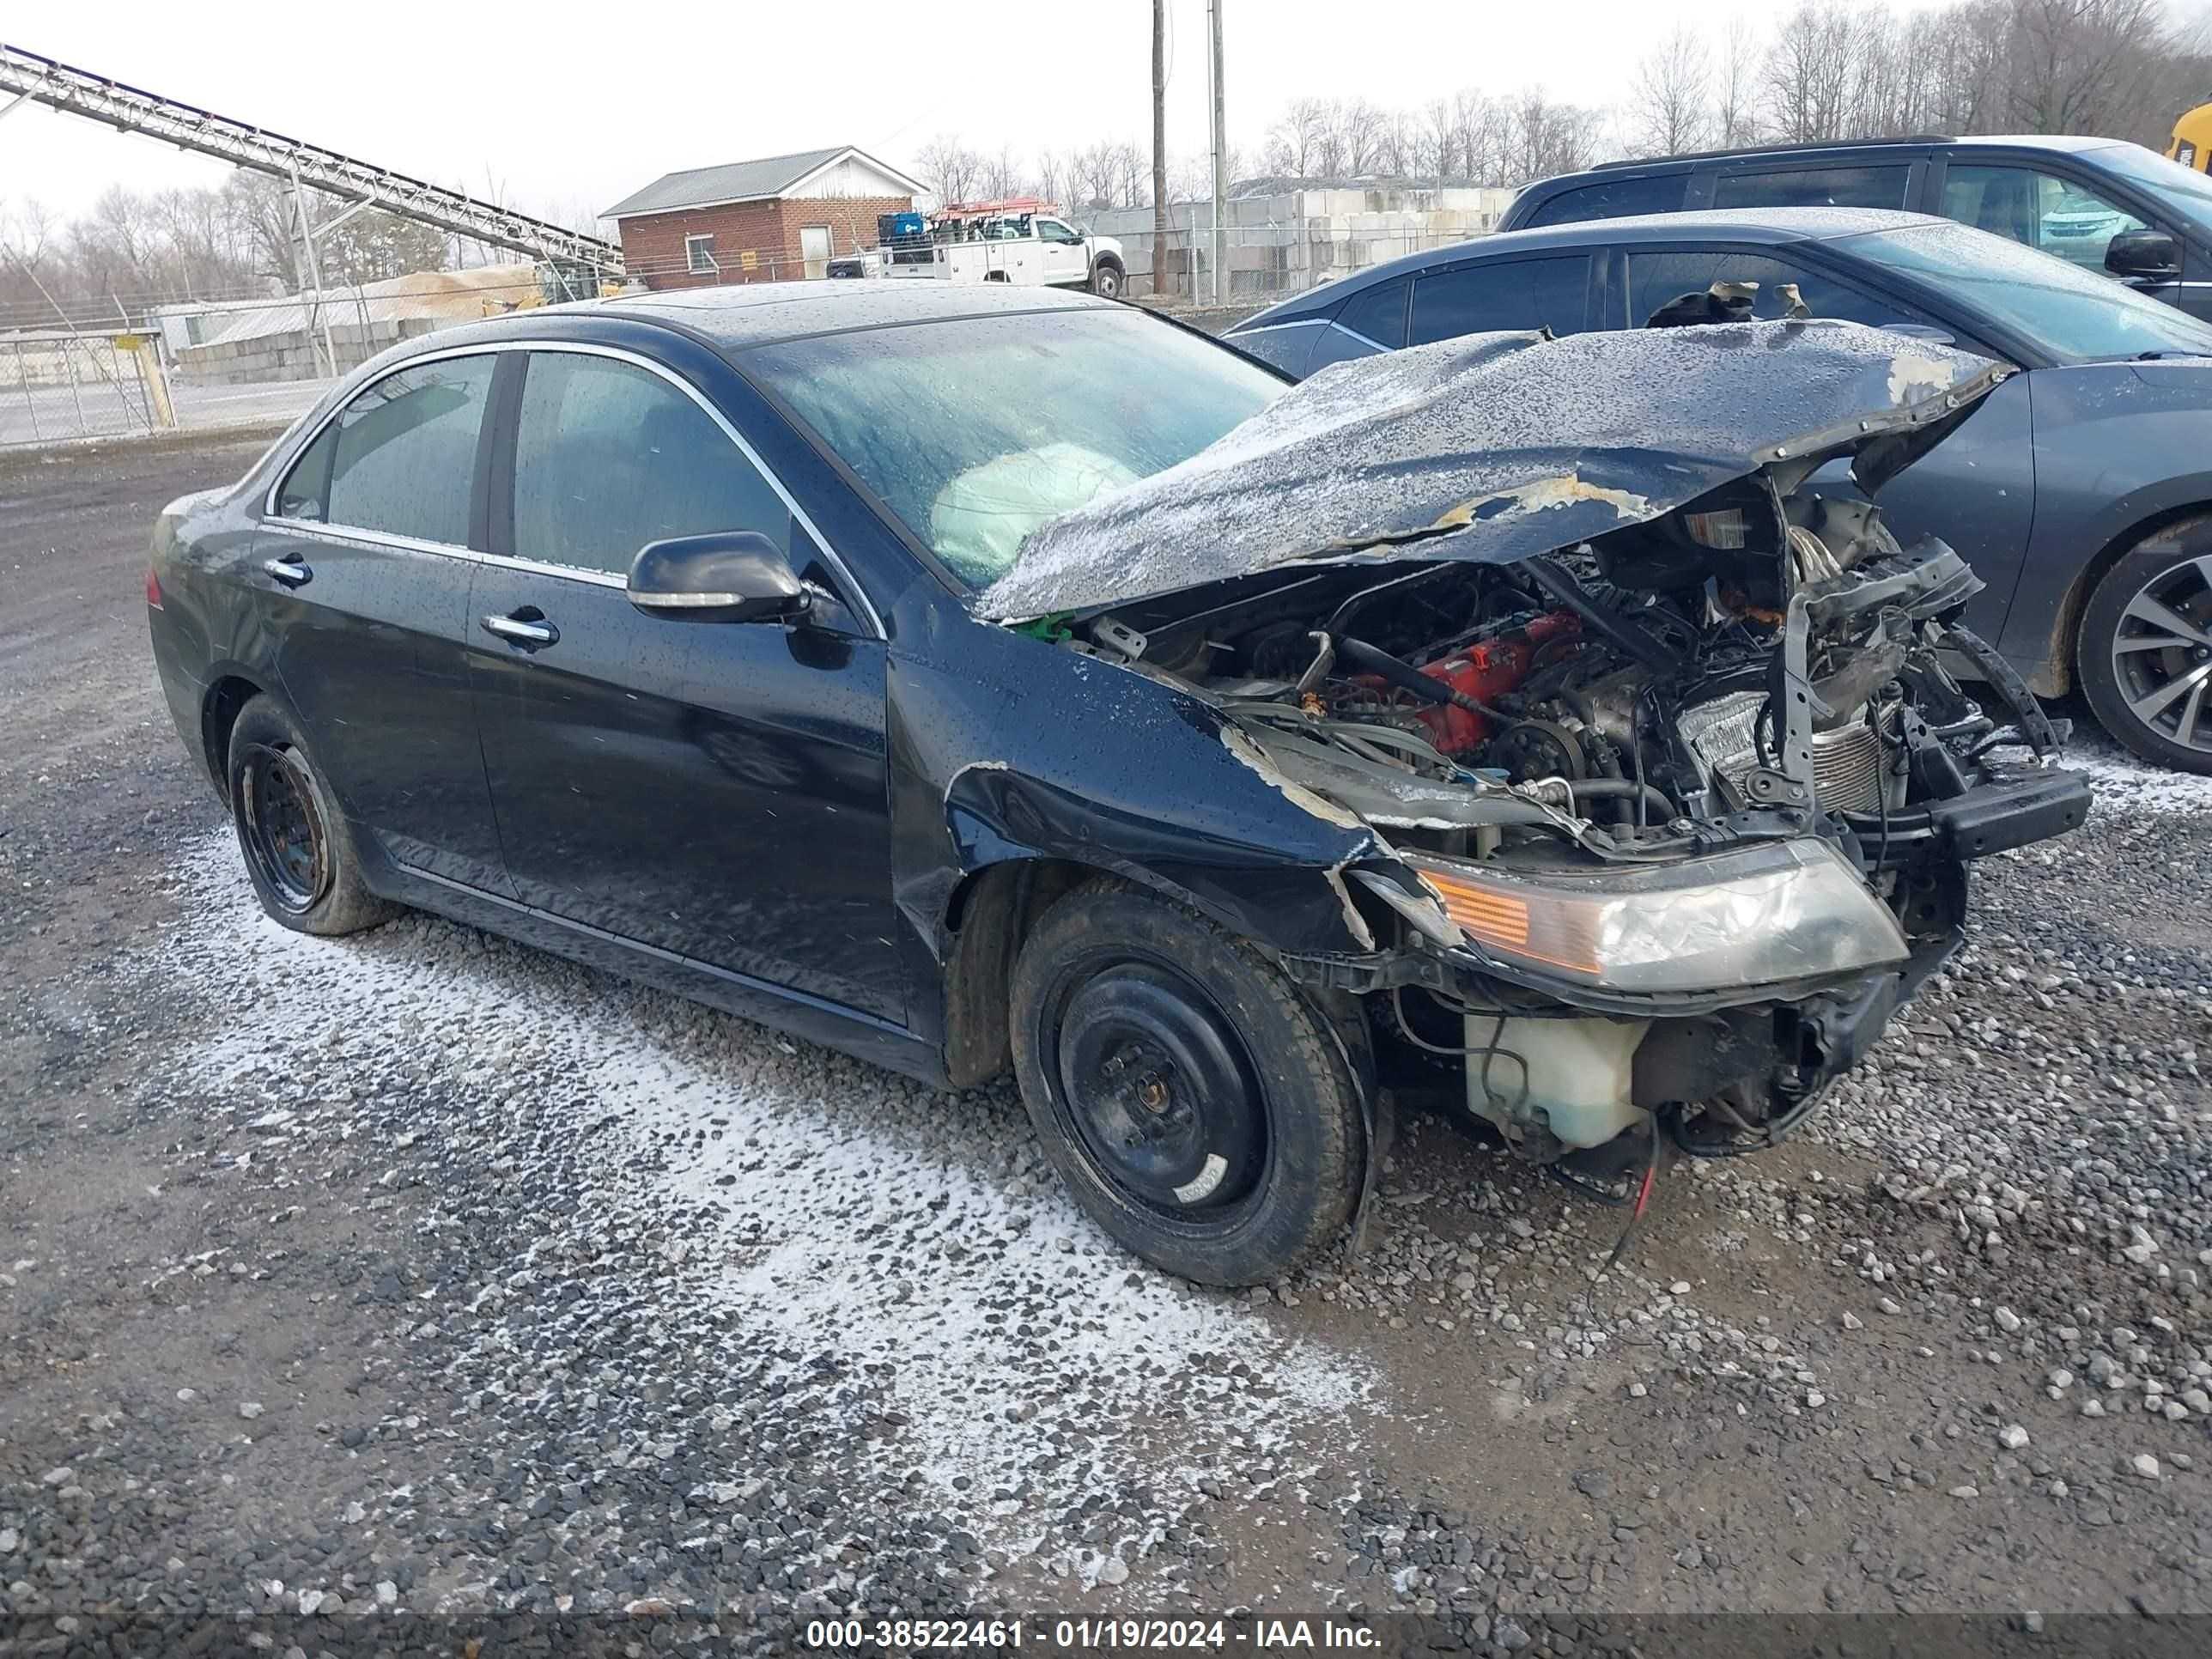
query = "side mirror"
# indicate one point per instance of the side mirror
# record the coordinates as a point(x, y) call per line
point(2142, 253)
point(731, 575)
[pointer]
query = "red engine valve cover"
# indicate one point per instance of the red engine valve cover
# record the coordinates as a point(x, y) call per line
point(1486, 672)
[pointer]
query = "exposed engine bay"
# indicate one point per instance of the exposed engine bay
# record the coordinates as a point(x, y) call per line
point(1681, 812)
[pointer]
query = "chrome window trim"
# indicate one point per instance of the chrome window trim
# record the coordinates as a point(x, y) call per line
point(1269, 328)
point(539, 567)
point(1379, 347)
point(446, 550)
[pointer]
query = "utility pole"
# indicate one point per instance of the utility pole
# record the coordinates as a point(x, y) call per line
point(1159, 145)
point(1220, 160)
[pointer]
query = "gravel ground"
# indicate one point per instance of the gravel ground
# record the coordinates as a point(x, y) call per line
point(419, 1276)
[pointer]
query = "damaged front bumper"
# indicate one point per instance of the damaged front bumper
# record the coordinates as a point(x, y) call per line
point(1778, 977)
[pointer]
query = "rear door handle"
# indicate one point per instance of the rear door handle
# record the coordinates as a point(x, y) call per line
point(290, 570)
point(522, 631)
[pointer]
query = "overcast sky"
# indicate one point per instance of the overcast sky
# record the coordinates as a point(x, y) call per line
point(569, 114)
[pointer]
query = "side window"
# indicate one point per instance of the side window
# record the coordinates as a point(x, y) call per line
point(1476, 299)
point(608, 457)
point(2040, 208)
point(1379, 314)
point(1655, 278)
point(1052, 230)
point(1288, 348)
point(1868, 188)
point(400, 458)
point(1615, 198)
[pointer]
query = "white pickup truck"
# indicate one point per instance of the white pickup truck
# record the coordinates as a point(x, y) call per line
point(1025, 247)
point(1034, 249)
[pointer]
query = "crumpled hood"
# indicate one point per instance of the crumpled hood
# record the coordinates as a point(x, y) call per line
point(1497, 447)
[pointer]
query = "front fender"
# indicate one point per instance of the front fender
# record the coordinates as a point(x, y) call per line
point(1287, 902)
point(1005, 747)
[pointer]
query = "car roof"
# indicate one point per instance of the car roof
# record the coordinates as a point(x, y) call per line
point(741, 315)
point(1768, 227)
point(1814, 150)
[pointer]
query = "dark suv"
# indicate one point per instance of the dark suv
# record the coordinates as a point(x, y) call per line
point(2108, 205)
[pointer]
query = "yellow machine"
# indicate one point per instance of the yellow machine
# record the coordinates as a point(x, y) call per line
point(2192, 139)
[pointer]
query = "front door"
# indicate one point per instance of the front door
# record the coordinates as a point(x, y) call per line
point(715, 790)
point(1065, 258)
point(366, 560)
point(814, 249)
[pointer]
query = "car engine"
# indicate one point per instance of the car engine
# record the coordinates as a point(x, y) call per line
point(1747, 687)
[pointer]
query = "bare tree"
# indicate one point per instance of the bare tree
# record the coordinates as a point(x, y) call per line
point(1054, 173)
point(1000, 174)
point(1435, 143)
point(1364, 127)
point(952, 170)
point(1808, 73)
point(1735, 85)
point(1671, 93)
point(1297, 134)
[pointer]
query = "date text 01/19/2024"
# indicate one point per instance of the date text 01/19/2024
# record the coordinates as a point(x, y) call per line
point(1085, 1635)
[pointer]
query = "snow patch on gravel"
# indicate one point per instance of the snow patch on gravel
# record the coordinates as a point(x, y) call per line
point(2123, 784)
point(911, 1235)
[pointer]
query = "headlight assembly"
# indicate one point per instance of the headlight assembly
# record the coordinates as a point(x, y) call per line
point(1765, 914)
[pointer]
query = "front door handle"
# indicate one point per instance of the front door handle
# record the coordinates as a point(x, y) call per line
point(522, 631)
point(291, 570)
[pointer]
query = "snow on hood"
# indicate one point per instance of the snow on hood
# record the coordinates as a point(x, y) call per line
point(1495, 448)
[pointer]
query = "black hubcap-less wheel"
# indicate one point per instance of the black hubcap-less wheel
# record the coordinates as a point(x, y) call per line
point(282, 821)
point(1160, 1093)
point(2162, 654)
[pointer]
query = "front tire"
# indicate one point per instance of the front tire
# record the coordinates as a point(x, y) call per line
point(298, 850)
point(2145, 647)
point(1196, 1106)
point(1106, 281)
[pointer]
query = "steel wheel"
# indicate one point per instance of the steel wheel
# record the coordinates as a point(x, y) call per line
point(285, 833)
point(2162, 653)
point(1159, 1092)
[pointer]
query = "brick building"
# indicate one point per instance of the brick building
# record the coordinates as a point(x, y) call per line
point(777, 217)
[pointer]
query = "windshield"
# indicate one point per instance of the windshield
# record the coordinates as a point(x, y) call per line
point(2076, 315)
point(975, 430)
point(2186, 192)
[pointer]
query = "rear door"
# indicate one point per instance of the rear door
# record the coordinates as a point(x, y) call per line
point(366, 553)
point(714, 790)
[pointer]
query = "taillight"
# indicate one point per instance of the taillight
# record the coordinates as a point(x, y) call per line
point(153, 588)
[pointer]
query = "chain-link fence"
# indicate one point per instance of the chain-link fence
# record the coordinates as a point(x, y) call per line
point(152, 363)
point(60, 384)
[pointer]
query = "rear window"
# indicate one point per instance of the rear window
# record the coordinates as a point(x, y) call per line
point(1612, 199)
point(1378, 315)
point(1862, 187)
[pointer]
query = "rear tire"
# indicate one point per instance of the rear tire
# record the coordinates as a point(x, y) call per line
point(2145, 647)
point(1195, 1106)
point(298, 850)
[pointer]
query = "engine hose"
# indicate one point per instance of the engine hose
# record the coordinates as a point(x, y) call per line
point(1622, 789)
point(1373, 660)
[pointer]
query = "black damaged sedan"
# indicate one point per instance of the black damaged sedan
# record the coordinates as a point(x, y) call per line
point(971, 678)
